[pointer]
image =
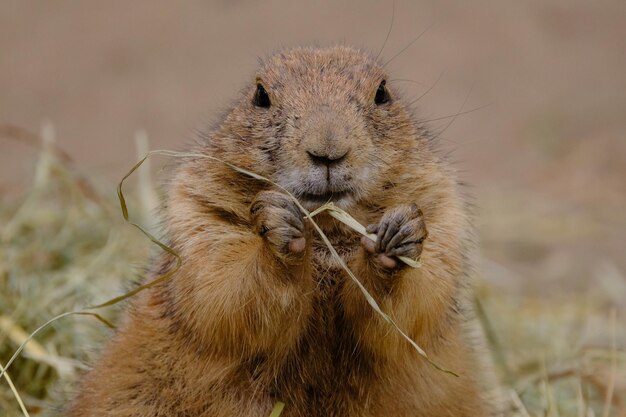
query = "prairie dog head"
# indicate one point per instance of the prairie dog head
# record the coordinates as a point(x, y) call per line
point(323, 123)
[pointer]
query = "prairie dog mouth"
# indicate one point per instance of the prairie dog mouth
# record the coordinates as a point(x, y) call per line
point(324, 198)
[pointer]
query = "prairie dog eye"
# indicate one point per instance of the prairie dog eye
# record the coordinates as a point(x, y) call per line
point(261, 98)
point(382, 95)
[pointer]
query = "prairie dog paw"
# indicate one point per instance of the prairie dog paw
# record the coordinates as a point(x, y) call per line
point(278, 220)
point(400, 232)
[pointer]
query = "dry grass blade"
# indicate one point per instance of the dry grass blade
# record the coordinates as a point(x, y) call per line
point(17, 335)
point(14, 390)
point(352, 223)
point(611, 387)
point(278, 409)
point(30, 337)
point(518, 403)
point(35, 350)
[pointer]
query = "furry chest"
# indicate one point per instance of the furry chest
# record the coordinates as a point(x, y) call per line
point(329, 367)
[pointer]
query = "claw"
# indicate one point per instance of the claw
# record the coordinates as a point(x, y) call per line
point(400, 232)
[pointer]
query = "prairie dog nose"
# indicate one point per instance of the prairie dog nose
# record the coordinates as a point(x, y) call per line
point(326, 158)
point(326, 137)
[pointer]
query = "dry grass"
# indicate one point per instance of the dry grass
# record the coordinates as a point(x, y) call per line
point(64, 245)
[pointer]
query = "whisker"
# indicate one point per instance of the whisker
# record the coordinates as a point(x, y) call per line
point(458, 144)
point(453, 116)
point(460, 112)
point(393, 15)
point(378, 157)
point(409, 45)
point(408, 81)
point(429, 89)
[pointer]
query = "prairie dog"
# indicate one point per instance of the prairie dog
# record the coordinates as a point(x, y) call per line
point(260, 311)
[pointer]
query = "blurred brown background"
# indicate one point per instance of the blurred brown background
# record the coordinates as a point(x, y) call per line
point(546, 158)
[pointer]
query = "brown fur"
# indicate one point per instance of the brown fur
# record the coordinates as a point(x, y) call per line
point(259, 311)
